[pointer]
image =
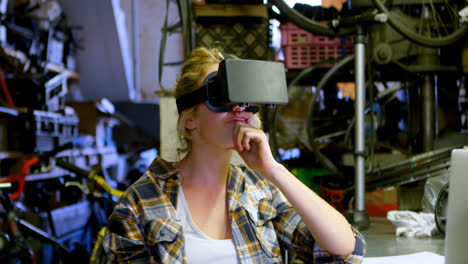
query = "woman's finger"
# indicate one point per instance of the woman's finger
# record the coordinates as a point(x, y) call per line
point(244, 135)
point(238, 136)
point(247, 139)
point(242, 138)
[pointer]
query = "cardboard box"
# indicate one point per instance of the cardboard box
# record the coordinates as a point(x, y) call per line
point(378, 203)
point(95, 122)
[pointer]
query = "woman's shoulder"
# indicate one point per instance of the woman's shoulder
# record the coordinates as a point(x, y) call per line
point(162, 169)
point(160, 178)
point(150, 197)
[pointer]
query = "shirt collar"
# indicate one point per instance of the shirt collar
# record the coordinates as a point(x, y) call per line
point(164, 170)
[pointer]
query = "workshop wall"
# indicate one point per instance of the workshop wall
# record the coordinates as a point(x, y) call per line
point(106, 61)
point(99, 61)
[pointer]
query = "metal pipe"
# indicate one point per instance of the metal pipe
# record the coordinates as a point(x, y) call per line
point(428, 112)
point(417, 158)
point(359, 132)
point(136, 52)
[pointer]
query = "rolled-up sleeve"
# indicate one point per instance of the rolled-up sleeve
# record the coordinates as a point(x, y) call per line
point(356, 257)
point(295, 236)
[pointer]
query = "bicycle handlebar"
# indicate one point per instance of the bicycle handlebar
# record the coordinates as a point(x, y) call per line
point(21, 178)
point(366, 18)
point(89, 175)
point(112, 191)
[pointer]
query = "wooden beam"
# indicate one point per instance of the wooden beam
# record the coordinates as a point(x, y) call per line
point(226, 10)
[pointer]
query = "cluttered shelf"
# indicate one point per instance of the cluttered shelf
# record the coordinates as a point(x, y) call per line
point(84, 158)
point(21, 58)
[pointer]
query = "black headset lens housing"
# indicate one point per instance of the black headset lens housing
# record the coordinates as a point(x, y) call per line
point(213, 95)
point(240, 82)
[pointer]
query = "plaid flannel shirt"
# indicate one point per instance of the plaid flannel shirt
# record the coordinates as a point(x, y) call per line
point(144, 227)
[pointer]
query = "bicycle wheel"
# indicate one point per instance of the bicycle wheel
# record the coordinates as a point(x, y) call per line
point(441, 208)
point(426, 22)
point(297, 131)
point(309, 24)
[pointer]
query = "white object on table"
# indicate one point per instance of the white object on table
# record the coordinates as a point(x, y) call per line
point(421, 257)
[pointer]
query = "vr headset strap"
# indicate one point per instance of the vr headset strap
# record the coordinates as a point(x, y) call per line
point(193, 98)
point(190, 99)
point(227, 56)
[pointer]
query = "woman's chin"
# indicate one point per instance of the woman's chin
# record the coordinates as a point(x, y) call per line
point(231, 147)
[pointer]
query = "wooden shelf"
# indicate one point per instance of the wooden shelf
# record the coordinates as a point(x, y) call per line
point(57, 68)
point(87, 151)
point(10, 155)
point(228, 10)
point(54, 173)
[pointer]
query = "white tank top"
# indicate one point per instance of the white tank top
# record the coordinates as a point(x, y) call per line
point(199, 247)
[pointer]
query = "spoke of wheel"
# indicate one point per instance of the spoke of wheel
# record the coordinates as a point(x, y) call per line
point(436, 24)
point(453, 13)
point(421, 22)
point(437, 17)
point(295, 133)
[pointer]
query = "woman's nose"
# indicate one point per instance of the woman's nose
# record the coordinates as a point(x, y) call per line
point(238, 108)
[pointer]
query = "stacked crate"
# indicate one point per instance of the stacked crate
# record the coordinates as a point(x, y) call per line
point(241, 30)
point(302, 49)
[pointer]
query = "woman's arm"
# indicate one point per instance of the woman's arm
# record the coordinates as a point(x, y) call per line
point(294, 235)
point(329, 228)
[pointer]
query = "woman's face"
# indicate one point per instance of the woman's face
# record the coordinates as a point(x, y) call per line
point(217, 129)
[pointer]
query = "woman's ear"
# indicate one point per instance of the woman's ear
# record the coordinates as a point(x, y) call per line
point(190, 124)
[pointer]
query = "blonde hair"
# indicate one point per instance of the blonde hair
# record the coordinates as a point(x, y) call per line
point(191, 74)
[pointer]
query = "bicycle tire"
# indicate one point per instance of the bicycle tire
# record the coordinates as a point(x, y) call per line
point(326, 162)
point(309, 24)
point(395, 22)
point(275, 112)
point(440, 205)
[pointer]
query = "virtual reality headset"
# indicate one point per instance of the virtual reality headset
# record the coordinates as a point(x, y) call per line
point(247, 83)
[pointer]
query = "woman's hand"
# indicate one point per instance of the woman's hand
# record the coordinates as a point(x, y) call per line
point(252, 145)
point(338, 4)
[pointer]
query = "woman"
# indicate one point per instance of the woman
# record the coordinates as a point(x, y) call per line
point(204, 210)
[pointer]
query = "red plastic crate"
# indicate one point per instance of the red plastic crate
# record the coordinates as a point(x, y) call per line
point(302, 49)
point(302, 56)
point(333, 197)
point(293, 35)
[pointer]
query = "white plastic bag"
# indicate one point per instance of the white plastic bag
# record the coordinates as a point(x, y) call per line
point(412, 224)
